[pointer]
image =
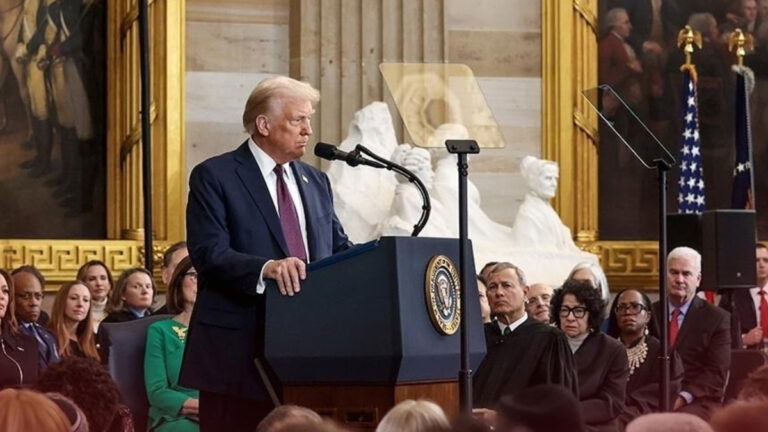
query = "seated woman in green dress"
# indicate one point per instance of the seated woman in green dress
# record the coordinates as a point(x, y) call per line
point(172, 408)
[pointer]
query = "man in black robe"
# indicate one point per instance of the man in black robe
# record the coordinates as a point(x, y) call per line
point(521, 352)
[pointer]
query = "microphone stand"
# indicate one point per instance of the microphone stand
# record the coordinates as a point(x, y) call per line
point(426, 206)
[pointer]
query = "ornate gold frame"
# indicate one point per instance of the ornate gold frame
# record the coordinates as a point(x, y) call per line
point(569, 133)
point(60, 259)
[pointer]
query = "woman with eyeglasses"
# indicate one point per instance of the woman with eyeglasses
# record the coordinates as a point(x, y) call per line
point(601, 361)
point(632, 324)
point(172, 408)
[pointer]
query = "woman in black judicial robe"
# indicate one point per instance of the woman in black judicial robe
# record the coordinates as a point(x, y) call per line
point(632, 324)
point(601, 361)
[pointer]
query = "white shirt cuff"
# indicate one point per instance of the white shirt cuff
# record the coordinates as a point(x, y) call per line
point(261, 286)
point(687, 396)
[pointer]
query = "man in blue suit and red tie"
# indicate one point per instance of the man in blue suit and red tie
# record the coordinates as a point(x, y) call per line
point(253, 214)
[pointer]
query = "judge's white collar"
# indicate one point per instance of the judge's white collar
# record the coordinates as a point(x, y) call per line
point(512, 326)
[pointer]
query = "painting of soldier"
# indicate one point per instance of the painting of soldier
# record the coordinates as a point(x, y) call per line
point(53, 118)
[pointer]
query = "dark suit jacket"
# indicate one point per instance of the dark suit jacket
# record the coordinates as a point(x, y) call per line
point(48, 351)
point(744, 307)
point(232, 230)
point(704, 345)
point(601, 362)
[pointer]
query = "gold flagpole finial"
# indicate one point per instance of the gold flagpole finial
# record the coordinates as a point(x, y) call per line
point(687, 38)
point(742, 42)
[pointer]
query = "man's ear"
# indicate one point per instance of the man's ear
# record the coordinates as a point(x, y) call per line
point(526, 289)
point(262, 125)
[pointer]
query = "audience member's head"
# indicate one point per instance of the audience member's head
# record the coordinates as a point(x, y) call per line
point(539, 302)
point(741, 416)
point(668, 422)
point(72, 412)
point(286, 418)
point(587, 271)
point(541, 408)
point(97, 278)
point(7, 307)
point(414, 416)
point(630, 315)
point(706, 24)
point(171, 258)
point(485, 308)
point(749, 10)
point(88, 384)
point(577, 308)
point(756, 385)
point(761, 262)
point(182, 289)
point(507, 291)
point(486, 270)
point(28, 284)
point(26, 410)
point(71, 319)
point(135, 289)
point(683, 274)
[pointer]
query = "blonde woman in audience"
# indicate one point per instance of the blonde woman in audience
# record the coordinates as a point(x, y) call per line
point(132, 297)
point(172, 408)
point(26, 410)
point(414, 416)
point(99, 280)
point(71, 321)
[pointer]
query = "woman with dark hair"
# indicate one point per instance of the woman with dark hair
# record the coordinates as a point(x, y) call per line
point(632, 324)
point(71, 321)
point(132, 296)
point(98, 278)
point(18, 352)
point(601, 361)
point(172, 408)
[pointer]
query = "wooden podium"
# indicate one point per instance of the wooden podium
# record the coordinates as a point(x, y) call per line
point(359, 338)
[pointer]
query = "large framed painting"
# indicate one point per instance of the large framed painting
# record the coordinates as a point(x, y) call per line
point(70, 176)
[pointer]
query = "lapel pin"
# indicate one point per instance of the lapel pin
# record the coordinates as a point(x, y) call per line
point(303, 177)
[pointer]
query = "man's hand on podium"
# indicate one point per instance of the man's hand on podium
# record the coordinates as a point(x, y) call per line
point(288, 273)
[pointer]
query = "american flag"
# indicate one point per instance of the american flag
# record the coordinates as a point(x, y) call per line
point(691, 196)
point(742, 197)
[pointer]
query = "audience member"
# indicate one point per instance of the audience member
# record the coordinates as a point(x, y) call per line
point(287, 417)
point(19, 366)
point(132, 296)
point(28, 284)
point(699, 332)
point(521, 352)
point(538, 305)
point(630, 321)
point(485, 308)
point(89, 385)
point(26, 410)
point(542, 408)
point(486, 270)
point(741, 416)
point(414, 416)
point(756, 385)
point(97, 277)
point(601, 361)
point(595, 275)
point(748, 304)
point(72, 412)
point(171, 258)
point(43, 318)
point(171, 406)
point(668, 422)
point(71, 321)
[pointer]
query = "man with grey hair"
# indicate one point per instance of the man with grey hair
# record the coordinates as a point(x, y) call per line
point(699, 332)
point(254, 214)
point(521, 351)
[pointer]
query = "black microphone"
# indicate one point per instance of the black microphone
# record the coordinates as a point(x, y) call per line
point(331, 152)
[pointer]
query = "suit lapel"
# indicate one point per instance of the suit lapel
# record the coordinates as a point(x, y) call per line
point(254, 183)
point(690, 320)
point(304, 184)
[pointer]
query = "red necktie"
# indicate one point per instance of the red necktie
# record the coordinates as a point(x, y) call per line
point(764, 312)
point(674, 326)
point(289, 219)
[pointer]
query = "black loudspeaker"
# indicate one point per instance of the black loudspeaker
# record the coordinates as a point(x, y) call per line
point(728, 249)
point(684, 229)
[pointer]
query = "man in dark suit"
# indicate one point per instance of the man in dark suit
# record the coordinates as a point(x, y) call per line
point(28, 285)
point(699, 332)
point(253, 214)
point(748, 304)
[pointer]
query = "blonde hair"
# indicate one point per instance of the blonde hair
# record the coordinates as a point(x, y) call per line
point(26, 410)
point(116, 302)
point(267, 91)
point(84, 330)
point(414, 416)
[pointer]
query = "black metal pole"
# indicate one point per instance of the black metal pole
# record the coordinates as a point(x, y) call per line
point(664, 396)
point(146, 144)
